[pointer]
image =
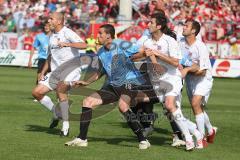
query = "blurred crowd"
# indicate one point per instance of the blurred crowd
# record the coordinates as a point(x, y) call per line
point(220, 19)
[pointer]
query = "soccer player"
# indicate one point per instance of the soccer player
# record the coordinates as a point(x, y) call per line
point(166, 49)
point(199, 79)
point(122, 78)
point(40, 44)
point(147, 107)
point(64, 44)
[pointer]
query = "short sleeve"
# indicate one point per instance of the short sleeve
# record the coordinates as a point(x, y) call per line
point(203, 57)
point(72, 36)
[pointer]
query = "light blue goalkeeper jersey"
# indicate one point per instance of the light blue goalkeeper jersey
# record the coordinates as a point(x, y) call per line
point(117, 64)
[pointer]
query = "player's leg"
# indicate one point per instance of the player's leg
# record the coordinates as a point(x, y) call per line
point(39, 93)
point(62, 93)
point(104, 96)
point(210, 129)
point(198, 112)
point(170, 103)
point(86, 116)
point(62, 89)
point(132, 121)
point(40, 65)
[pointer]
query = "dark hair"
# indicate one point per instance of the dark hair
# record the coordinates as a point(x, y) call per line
point(195, 25)
point(109, 29)
point(162, 20)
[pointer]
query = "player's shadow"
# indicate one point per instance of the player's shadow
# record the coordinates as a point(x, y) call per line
point(129, 141)
point(155, 138)
point(37, 128)
point(156, 129)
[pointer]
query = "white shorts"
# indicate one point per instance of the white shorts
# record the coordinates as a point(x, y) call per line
point(175, 90)
point(201, 86)
point(52, 78)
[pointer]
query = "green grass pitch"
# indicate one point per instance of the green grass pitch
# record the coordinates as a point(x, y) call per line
point(24, 132)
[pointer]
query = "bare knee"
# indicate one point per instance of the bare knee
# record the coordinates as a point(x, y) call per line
point(170, 105)
point(39, 92)
point(124, 104)
point(196, 106)
point(89, 102)
point(36, 94)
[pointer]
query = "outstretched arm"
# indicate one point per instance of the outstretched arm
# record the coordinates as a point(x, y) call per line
point(79, 45)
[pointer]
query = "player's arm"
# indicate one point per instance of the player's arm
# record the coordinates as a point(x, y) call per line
point(74, 41)
point(190, 69)
point(45, 68)
point(36, 44)
point(168, 59)
point(78, 45)
point(88, 80)
point(203, 61)
point(200, 72)
point(30, 57)
point(138, 56)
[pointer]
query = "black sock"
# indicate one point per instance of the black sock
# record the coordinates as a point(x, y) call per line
point(147, 108)
point(134, 124)
point(85, 120)
point(176, 129)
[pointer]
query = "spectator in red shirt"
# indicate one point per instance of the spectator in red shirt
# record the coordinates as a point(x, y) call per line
point(28, 41)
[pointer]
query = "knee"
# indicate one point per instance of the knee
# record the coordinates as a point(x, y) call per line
point(170, 106)
point(195, 104)
point(35, 93)
point(62, 87)
point(87, 102)
point(123, 106)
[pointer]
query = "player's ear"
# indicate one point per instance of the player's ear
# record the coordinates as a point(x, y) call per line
point(159, 27)
point(193, 31)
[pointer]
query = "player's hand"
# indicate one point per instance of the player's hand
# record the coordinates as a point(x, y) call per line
point(40, 77)
point(63, 44)
point(148, 52)
point(184, 72)
point(180, 67)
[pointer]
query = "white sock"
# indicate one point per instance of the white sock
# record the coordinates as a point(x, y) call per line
point(193, 129)
point(182, 124)
point(207, 124)
point(65, 125)
point(47, 102)
point(200, 123)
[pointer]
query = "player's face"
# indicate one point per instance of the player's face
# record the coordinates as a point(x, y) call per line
point(47, 28)
point(53, 21)
point(187, 29)
point(102, 36)
point(152, 25)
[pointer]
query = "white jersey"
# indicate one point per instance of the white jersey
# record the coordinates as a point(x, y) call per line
point(198, 85)
point(61, 55)
point(199, 54)
point(168, 46)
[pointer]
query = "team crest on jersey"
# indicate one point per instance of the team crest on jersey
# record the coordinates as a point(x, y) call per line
point(159, 47)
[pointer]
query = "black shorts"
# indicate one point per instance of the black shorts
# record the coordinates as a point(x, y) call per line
point(40, 64)
point(110, 94)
